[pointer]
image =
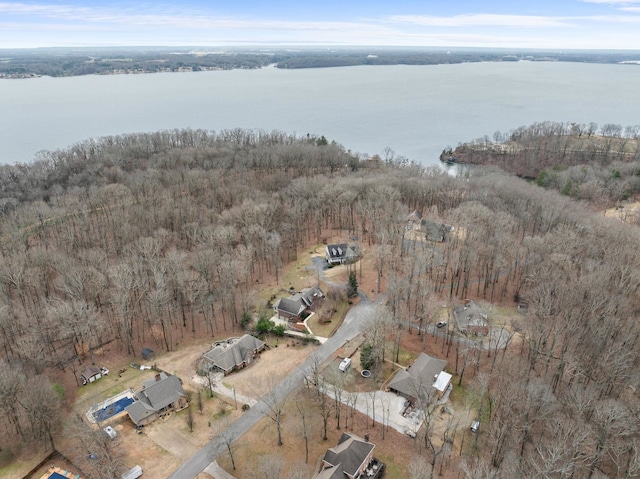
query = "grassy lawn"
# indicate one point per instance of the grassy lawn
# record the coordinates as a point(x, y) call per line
point(405, 357)
point(11, 468)
point(325, 330)
point(293, 275)
point(258, 445)
point(502, 315)
point(108, 386)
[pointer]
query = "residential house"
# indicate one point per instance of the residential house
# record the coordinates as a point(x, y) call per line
point(424, 380)
point(436, 232)
point(234, 353)
point(158, 396)
point(471, 319)
point(340, 253)
point(414, 219)
point(352, 458)
point(289, 309)
point(292, 308)
point(433, 231)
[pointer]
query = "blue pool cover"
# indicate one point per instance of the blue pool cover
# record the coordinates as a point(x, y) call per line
point(112, 409)
point(55, 475)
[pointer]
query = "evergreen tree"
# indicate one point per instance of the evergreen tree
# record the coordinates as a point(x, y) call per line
point(352, 289)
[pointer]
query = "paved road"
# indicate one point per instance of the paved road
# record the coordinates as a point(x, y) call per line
point(354, 323)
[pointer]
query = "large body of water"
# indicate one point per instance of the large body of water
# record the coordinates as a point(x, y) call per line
point(415, 110)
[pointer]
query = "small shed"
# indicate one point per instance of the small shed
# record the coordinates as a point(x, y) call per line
point(148, 354)
point(90, 375)
point(133, 473)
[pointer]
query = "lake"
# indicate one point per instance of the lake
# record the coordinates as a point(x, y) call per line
point(414, 110)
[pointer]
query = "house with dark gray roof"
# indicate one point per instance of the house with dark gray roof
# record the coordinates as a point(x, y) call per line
point(352, 458)
point(424, 380)
point(291, 308)
point(288, 308)
point(433, 230)
point(158, 396)
point(234, 353)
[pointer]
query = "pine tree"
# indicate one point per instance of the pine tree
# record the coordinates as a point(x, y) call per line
point(353, 285)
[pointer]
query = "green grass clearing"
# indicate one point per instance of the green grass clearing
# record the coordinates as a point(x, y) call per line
point(325, 330)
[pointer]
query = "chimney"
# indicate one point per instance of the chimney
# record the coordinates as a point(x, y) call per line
point(366, 437)
point(157, 377)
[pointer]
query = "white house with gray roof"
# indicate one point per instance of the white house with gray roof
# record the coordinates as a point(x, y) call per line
point(340, 253)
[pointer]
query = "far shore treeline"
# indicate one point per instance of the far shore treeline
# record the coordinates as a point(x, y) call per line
point(61, 62)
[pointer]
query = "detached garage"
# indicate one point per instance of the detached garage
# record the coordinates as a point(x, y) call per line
point(90, 375)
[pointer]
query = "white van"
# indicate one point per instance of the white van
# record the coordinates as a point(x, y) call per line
point(344, 365)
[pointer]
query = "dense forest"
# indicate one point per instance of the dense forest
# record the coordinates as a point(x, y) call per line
point(57, 62)
point(153, 238)
point(600, 164)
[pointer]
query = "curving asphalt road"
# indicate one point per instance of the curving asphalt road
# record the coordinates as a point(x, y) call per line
point(354, 323)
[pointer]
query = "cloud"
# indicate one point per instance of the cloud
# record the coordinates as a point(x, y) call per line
point(481, 20)
point(614, 19)
point(165, 17)
point(164, 24)
point(632, 6)
point(613, 2)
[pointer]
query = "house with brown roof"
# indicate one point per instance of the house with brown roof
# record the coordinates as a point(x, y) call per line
point(158, 396)
point(234, 353)
point(352, 458)
point(424, 380)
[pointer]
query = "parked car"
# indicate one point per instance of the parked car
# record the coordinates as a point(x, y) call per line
point(104, 371)
point(441, 324)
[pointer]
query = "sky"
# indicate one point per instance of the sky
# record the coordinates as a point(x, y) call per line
point(546, 24)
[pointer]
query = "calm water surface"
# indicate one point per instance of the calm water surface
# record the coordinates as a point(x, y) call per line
point(415, 110)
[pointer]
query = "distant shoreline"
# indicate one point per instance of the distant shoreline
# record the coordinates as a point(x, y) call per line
point(35, 63)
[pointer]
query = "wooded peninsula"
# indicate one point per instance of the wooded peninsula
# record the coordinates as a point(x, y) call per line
point(158, 240)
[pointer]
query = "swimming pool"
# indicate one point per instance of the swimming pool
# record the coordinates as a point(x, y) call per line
point(112, 409)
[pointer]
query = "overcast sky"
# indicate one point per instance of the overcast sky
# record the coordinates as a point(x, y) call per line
point(556, 24)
